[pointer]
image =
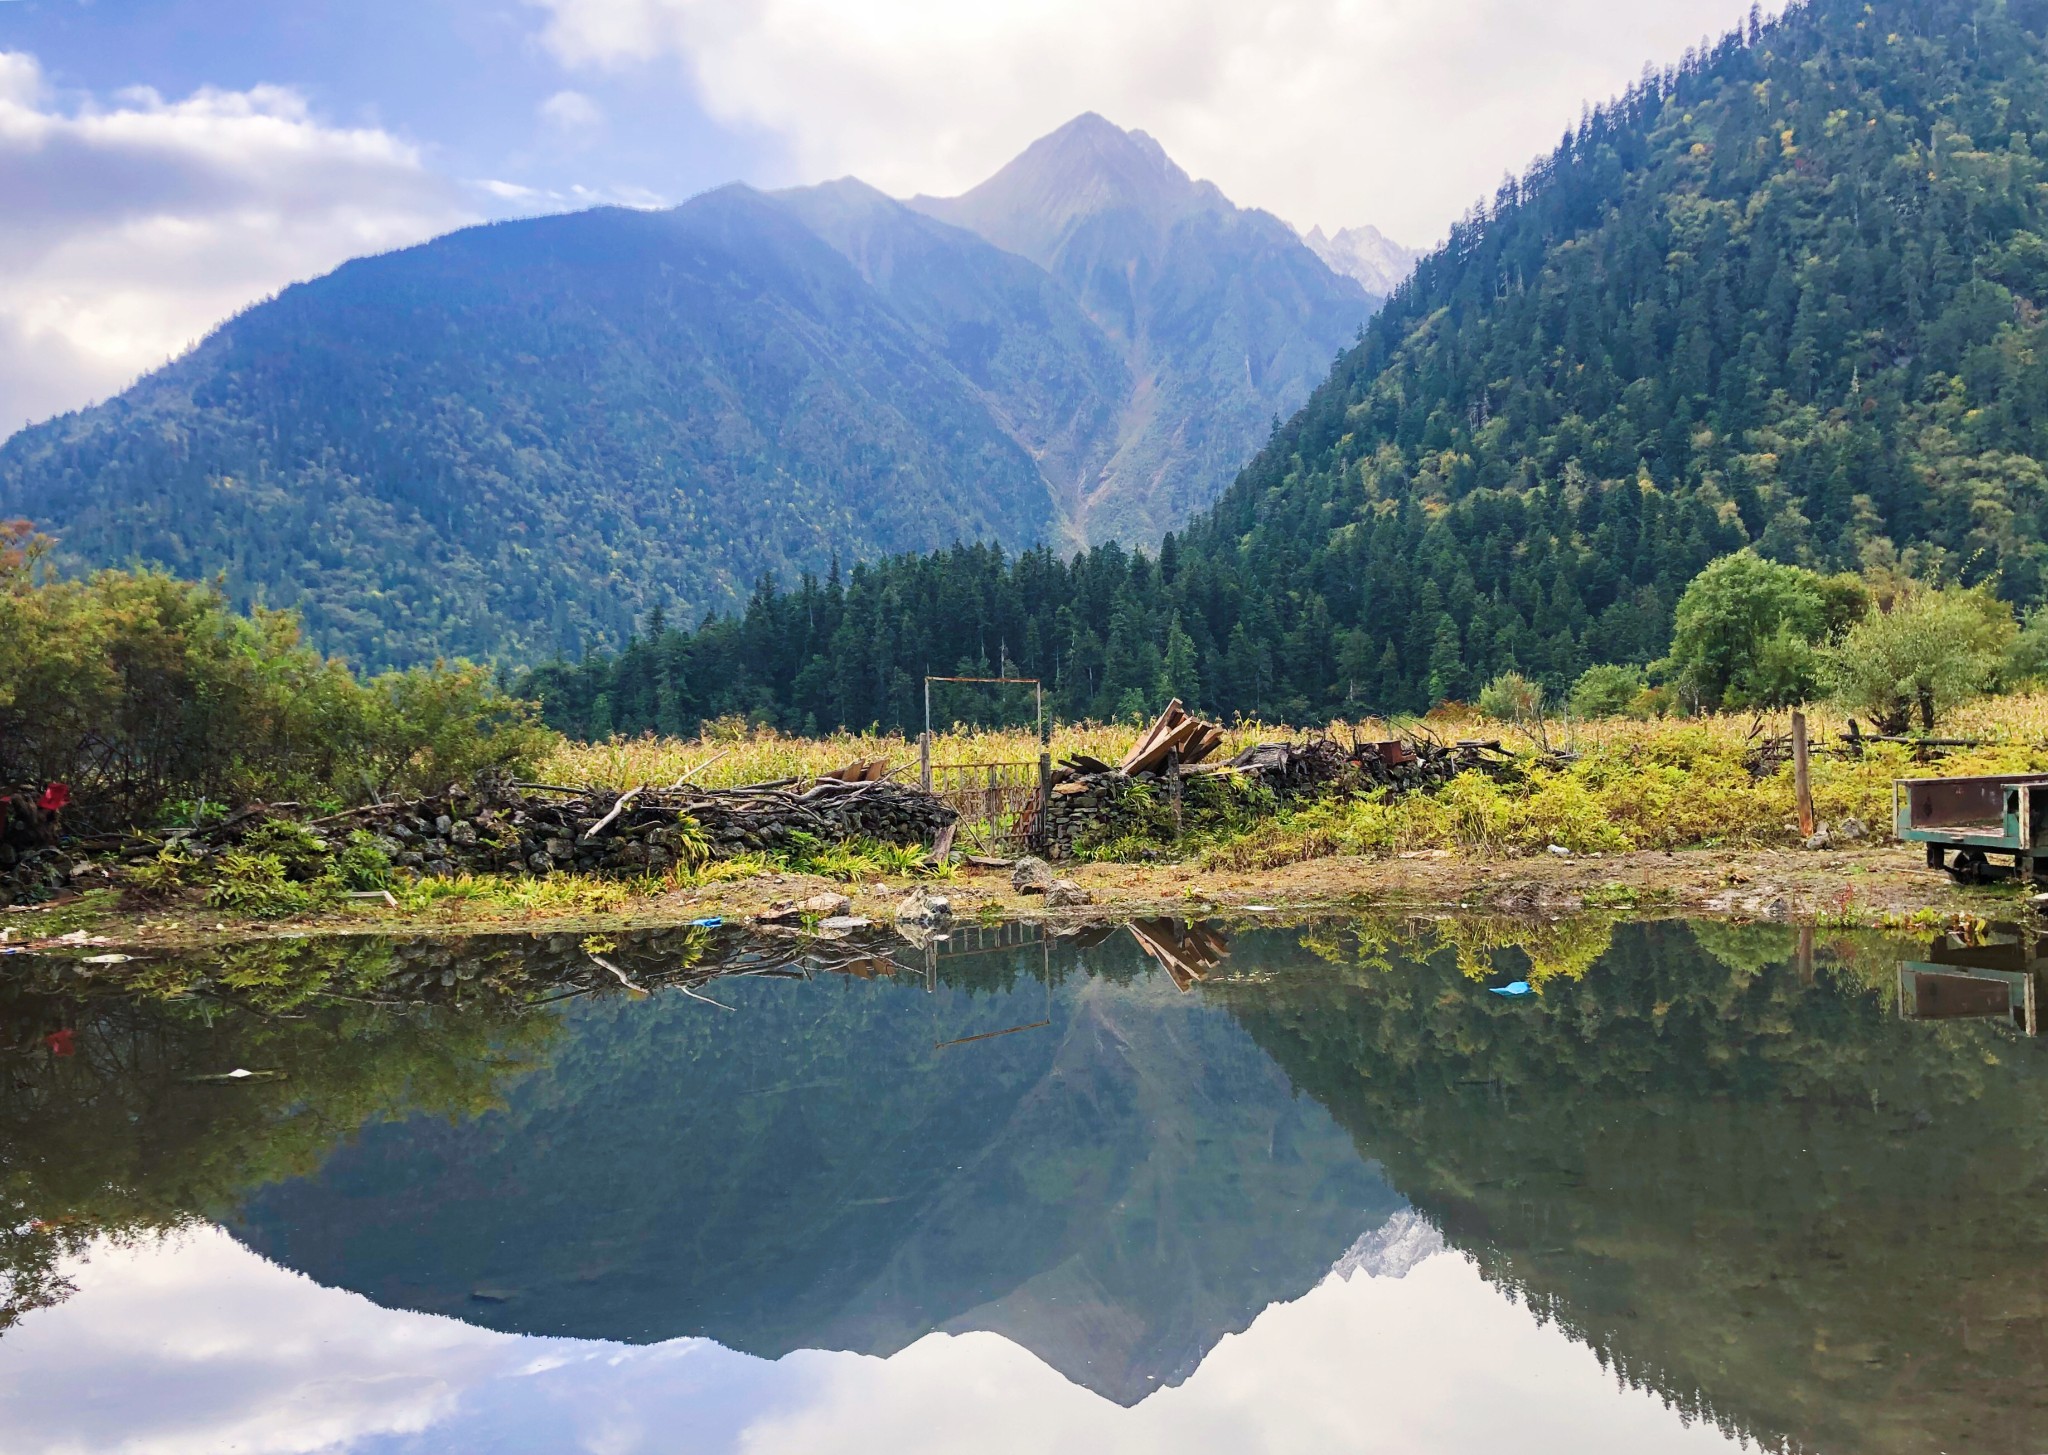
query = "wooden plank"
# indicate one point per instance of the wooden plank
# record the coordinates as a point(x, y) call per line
point(1169, 718)
point(1156, 754)
point(1959, 997)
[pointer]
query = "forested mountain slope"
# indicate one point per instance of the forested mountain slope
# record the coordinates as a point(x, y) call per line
point(525, 433)
point(518, 439)
point(1786, 293)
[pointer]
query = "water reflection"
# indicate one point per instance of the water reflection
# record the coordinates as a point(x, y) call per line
point(1993, 974)
point(1785, 1194)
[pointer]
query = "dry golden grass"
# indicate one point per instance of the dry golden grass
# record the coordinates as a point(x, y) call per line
point(1662, 784)
point(724, 758)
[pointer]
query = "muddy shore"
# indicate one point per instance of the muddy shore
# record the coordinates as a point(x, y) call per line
point(1874, 886)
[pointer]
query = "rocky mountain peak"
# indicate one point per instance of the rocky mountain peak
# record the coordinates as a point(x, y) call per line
point(1087, 168)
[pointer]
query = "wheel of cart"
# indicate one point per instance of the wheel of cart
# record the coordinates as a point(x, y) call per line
point(1970, 866)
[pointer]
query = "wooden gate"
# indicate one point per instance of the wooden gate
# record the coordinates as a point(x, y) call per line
point(997, 802)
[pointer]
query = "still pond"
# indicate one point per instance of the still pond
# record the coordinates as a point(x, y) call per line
point(1336, 1187)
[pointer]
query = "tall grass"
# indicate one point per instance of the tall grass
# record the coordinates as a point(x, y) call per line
point(725, 757)
point(1666, 783)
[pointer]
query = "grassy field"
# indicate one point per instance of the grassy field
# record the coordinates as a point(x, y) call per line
point(1626, 784)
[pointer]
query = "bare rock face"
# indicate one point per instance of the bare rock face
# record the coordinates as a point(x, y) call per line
point(1063, 893)
point(1032, 876)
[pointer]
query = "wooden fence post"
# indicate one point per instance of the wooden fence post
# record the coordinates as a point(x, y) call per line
point(1802, 776)
point(924, 760)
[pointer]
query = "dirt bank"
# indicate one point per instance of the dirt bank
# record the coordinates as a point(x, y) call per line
point(1870, 886)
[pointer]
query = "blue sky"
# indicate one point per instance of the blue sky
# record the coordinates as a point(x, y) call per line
point(164, 163)
point(465, 79)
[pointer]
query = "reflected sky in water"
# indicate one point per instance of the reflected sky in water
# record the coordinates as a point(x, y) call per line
point(1305, 1189)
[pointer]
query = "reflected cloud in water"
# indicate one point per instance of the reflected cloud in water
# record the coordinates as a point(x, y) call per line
point(196, 1345)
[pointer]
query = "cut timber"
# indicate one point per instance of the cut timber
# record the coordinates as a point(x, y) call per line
point(1169, 719)
point(1174, 731)
point(867, 771)
point(1186, 952)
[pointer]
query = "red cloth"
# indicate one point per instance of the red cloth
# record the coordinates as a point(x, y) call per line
point(54, 797)
point(60, 1042)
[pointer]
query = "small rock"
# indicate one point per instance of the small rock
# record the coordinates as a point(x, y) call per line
point(920, 908)
point(442, 824)
point(1064, 892)
point(1820, 838)
point(1849, 830)
point(464, 834)
point(561, 849)
point(1561, 851)
point(1032, 876)
point(844, 922)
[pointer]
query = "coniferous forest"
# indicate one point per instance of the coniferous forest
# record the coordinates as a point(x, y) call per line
point(1786, 294)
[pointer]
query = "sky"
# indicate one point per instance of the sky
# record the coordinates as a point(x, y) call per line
point(165, 163)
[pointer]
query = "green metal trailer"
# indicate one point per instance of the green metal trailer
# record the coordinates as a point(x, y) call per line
point(1963, 822)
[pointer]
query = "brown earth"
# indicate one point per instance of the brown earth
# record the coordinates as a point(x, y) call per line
point(1864, 886)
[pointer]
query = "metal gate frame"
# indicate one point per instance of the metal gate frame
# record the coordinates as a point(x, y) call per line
point(1044, 795)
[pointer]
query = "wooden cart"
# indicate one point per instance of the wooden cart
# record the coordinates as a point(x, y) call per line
point(1963, 822)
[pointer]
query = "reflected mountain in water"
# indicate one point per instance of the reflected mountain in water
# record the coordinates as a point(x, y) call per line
point(1115, 1189)
point(1792, 1185)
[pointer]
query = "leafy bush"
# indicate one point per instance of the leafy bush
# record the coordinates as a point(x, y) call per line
point(1607, 691)
point(257, 884)
point(1511, 697)
point(361, 866)
point(143, 692)
point(1745, 631)
point(1932, 650)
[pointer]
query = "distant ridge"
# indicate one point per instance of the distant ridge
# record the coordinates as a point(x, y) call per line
point(519, 439)
point(1376, 261)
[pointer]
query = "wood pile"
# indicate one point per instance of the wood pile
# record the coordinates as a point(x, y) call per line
point(1186, 952)
point(1395, 763)
point(495, 825)
point(1174, 730)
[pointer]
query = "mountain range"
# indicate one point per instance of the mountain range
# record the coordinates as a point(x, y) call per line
point(1789, 294)
point(521, 437)
point(1116, 1186)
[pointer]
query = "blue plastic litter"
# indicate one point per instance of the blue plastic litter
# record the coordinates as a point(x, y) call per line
point(1513, 988)
point(707, 924)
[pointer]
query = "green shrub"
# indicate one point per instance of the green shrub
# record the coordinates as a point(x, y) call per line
point(166, 874)
point(1511, 697)
point(1932, 650)
point(256, 884)
point(1608, 690)
point(151, 697)
point(360, 866)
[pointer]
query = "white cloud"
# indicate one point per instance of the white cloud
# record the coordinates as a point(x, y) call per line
point(198, 1345)
point(134, 227)
point(1395, 112)
point(571, 115)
